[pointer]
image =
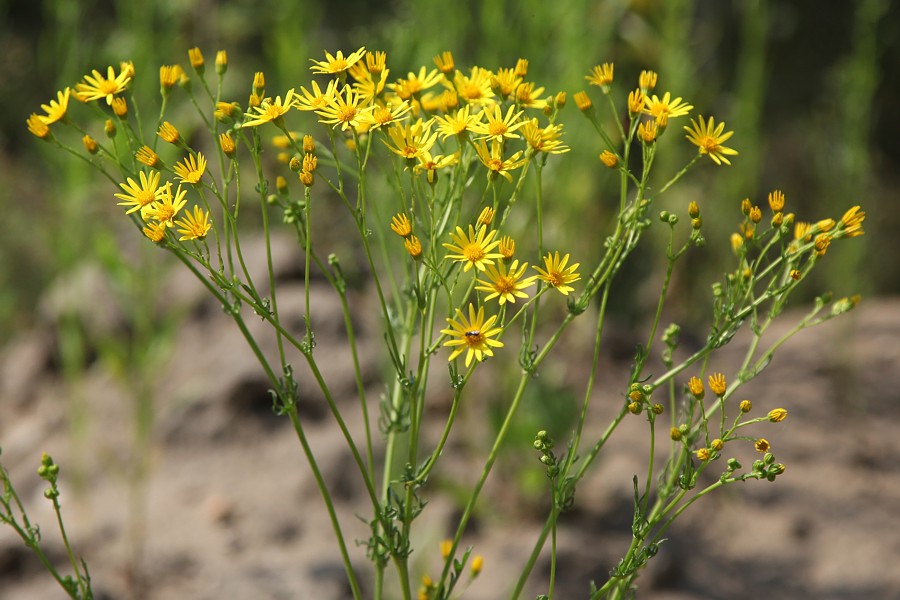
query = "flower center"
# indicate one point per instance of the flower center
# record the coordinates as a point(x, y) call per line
point(474, 252)
point(346, 114)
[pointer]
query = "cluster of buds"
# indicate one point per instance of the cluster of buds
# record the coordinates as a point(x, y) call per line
point(49, 472)
point(639, 398)
point(544, 445)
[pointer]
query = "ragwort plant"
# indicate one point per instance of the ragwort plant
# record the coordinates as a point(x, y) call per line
point(463, 149)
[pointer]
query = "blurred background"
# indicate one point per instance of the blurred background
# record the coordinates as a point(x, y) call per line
point(809, 89)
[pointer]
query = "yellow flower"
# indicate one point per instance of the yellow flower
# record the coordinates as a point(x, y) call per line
point(746, 406)
point(400, 225)
point(696, 388)
point(156, 232)
point(269, 111)
point(191, 170)
point(635, 102)
point(776, 201)
point(140, 197)
point(709, 138)
point(169, 76)
point(477, 565)
point(544, 139)
point(315, 99)
point(168, 133)
point(411, 140)
point(717, 384)
point(430, 164)
point(609, 159)
point(529, 97)
point(851, 223)
point(226, 142)
point(472, 335)
point(344, 110)
point(385, 115)
point(474, 249)
point(413, 246)
point(120, 107)
point(507, 247)
point(777, 415)
point(459, 123)
point(444, 62)
point(446, 548)
point(601, 75)
point(196, 58)
point(486, 217)
point(666, 106)
point(762, 445)
point(498, 126)
point(56, 110)
point(557, 275)
point(506, 284)
point(416, 83)
point(376, 63)
point(493, 160)
point(338, 63)
point(474, 88)
point(37, 126)
point(647, 131)
point(583, 101)
point(221, 62)
point(702, 454)
point(505, 82)
point(647, 80)
point(147, 156)
point(167, 206)
point(194, 225)
point(96, 86)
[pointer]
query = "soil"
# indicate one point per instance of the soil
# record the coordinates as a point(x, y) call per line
point(230, 509)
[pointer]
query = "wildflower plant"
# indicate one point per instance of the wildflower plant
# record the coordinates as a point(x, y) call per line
point(456, 280)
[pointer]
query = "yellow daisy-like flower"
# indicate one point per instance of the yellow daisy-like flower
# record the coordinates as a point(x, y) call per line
point(601, 75)
point(269, 111)
point(718, 384)
point(506, 284)
point(459, 123)
point(474, 249)
point(37, 126)
point(505, 82)
point(385, 115)
point(666, 106)
point(544, 139)
point(411, 140)
point(557, 275)
point(344, 110)
point(416, 83)
point(507, 247)
point(499, 126)
point(430, 164)
point(156, 232)
point(56, 110)
point(191, 170)
point(337, 63)
point(493, 160)
point(315, 99)
point(96, 86)
point(400, 225)
point(194, 225)
point(708, 138)
point(167, 206)
point(140, 196)
point(145, 155)
point(850, 224)
point(473, 335)
point(474, 88)
point(529, 97)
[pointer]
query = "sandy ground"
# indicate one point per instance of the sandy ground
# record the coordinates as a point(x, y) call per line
point(231, 510)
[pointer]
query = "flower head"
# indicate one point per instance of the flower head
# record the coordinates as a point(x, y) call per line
point(666, 106)
point(37, 126)
point(498, 126)
point(269, 111)
point(557, 275)
point(194, 225)
point(717, 384)
point(400, 225)
point(459, 123)
point(473, 335)
point(708, 137)
point(167, 206)
point(140, 196)
point(96, 86)
point(315, 99)
point(777, 415)
point(56, 110)
point(190, 170)
point(505, 284)
point(494, 161)
point(344, 110)
point(337, 63)
point(411, 140)
point(474, 249)
point(601, 75)
point(474, 88)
